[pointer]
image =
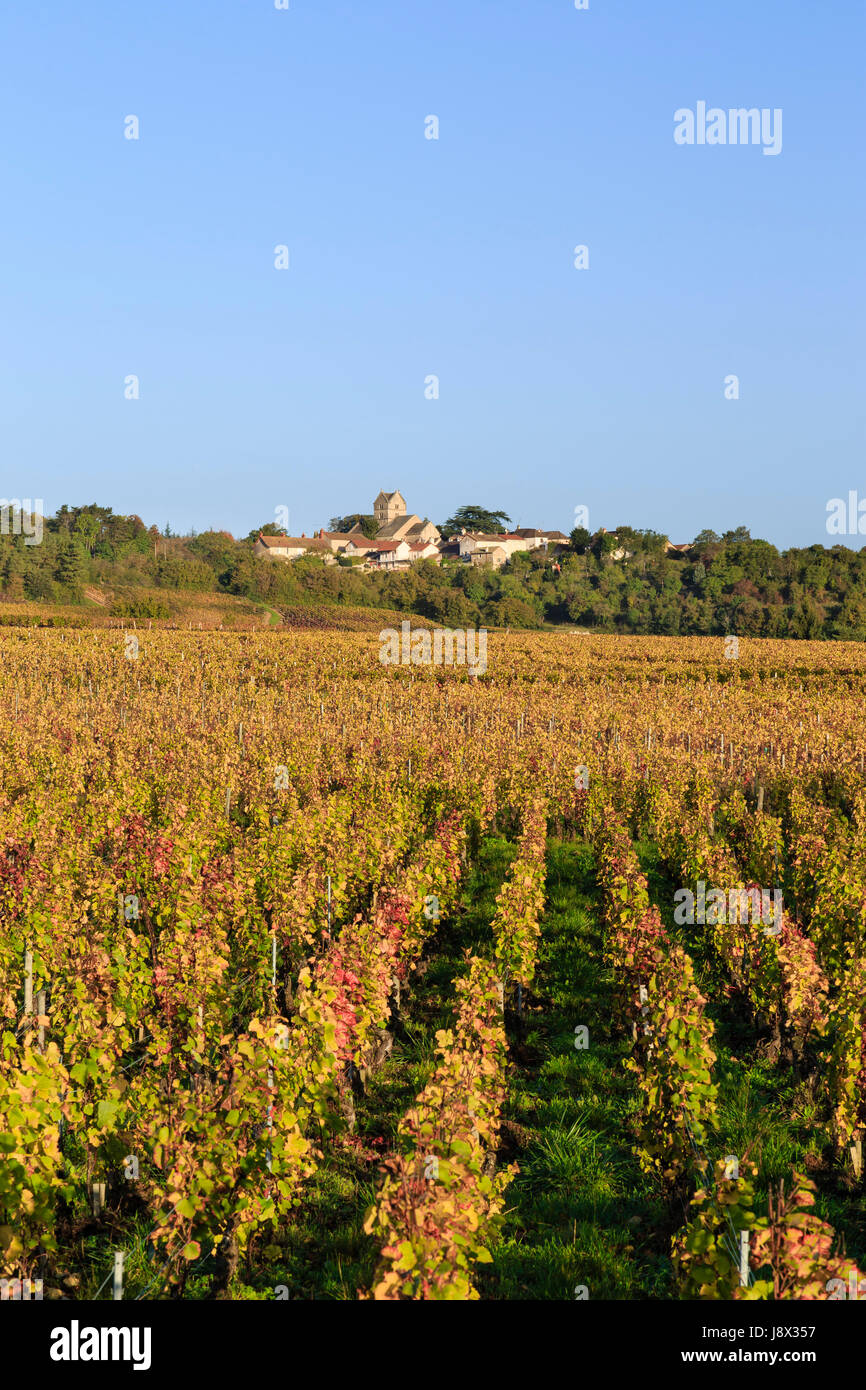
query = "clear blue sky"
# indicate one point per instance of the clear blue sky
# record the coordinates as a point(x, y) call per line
point(411, 257)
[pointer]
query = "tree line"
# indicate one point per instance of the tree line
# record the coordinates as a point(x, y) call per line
point(624, 581)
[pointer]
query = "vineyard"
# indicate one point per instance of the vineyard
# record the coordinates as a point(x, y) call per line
point(321, 979)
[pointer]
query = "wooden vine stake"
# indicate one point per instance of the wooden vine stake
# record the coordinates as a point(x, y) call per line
point(857, 1155)
point(117, 1281)
point(270, 1118)
point(28, 982)
point(28, 993)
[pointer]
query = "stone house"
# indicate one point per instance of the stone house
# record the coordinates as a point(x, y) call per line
point(472, 542)
point(289, 547)
point(335, 540)
point(359, 547)
point(389, 554)
point(423, 550)
point(489, 556)
point(538, 537)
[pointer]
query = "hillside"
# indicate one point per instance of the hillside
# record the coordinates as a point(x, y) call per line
point(154, 608)
point(93, 567)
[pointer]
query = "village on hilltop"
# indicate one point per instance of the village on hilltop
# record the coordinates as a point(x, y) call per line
point(402, 539)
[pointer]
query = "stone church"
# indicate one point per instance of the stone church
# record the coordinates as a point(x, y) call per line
point(389, 510)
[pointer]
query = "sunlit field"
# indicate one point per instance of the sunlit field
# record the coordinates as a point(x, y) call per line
point(328, 978)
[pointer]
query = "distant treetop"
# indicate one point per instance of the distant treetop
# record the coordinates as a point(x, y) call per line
point(473, 518)
point(342, 524)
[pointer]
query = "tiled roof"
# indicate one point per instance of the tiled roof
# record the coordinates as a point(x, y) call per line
point(498, 536)
point(293, 543)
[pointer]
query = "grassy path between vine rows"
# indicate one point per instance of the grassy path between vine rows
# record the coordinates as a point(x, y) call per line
point(580, 1212)
point(765, 1110)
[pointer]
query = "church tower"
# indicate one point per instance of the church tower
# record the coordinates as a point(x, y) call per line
point(387, 507)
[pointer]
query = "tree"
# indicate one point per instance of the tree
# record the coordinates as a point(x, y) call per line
point(239, 576)
point(342, 524)
point(475, 519)
point(270, 528)
point(651, 542)
point(13, 573)
point(93, 523)
point(70, 570)
point(88, 526)
point(215, 548)
point(509, 611)
point(850, 622)
point(605, 543)
point(579, 540)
